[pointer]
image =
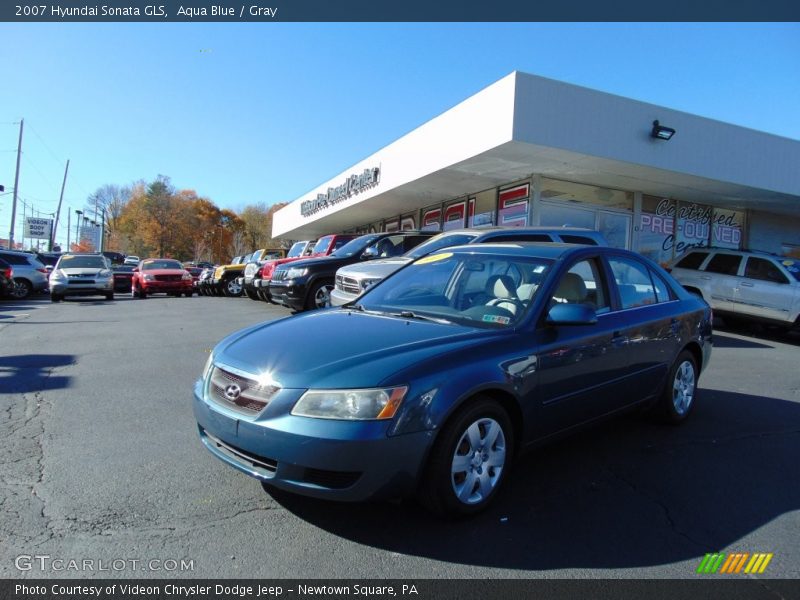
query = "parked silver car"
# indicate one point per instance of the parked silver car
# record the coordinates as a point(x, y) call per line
point(30, 275)
point(743, 284)
point(82, 275)
point(353, 280)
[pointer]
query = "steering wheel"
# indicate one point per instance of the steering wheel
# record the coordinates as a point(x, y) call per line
point(516, 302)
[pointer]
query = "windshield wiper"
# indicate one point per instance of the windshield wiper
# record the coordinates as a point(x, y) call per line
point(407, 314)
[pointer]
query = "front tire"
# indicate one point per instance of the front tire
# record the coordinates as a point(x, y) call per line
point(469, 460)
point(319, 296)
point(678, 398)
point(232, 289)
point(110, 296)
point(56, 298)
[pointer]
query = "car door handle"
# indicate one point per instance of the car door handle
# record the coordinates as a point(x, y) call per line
point(706, 277)
point(746, 284)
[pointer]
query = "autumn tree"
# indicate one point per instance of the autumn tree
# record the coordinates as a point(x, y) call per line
point(109, 201)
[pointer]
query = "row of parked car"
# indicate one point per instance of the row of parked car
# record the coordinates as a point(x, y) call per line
point(337, 269)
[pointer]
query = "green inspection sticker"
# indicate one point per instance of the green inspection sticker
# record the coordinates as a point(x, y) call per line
point(496, 319)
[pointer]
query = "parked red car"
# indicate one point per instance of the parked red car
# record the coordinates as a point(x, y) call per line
point(161, 276)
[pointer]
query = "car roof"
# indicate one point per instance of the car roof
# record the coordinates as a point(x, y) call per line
point(552, 250)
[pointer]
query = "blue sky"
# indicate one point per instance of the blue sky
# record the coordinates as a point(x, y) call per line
point(264, 112)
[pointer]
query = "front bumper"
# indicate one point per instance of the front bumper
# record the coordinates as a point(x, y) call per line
point(166, 287)
point(337, 460)
point(85, 288)
point(291, 293)
point(338, 297)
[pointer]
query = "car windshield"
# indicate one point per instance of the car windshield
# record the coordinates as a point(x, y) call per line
point(150, 265)
point(443, 240)
point(82, 262)
point(476, 290)
point(322, 245)
point(355, 246)
point(296, 249)
point(793, 266)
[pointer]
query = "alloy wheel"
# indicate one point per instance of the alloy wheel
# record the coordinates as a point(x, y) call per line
point(478, 461)
point(323, 296)
point(683, 387)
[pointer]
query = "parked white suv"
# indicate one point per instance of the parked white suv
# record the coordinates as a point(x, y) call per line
point(743, 284)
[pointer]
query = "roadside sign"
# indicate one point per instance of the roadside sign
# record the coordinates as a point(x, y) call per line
point(38, 228)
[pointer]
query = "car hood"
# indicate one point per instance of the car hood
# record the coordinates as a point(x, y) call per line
point(374, 268)
point(339, 348)
point(163, 272)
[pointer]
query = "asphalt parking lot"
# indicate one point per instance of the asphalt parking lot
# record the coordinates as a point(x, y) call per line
point(100, 460)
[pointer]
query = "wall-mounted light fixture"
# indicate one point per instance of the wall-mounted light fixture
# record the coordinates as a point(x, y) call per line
point(660, 132)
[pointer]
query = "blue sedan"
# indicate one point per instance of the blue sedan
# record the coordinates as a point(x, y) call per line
point(442, 373)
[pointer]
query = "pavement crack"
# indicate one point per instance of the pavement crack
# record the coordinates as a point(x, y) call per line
point(664, 508)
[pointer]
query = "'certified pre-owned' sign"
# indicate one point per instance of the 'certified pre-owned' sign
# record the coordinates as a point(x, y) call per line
point(38, 228)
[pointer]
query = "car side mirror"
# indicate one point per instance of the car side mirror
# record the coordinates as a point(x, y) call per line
point(571, 314)
point(135, 270)
point(369, 253)
point(48, 268)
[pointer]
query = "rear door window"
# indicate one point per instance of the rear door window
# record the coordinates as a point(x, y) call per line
point(693, 260)
point(724, 264)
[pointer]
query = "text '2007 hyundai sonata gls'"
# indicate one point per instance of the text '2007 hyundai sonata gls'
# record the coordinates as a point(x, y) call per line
point(443, 372)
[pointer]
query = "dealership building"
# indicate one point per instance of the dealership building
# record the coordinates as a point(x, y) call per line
point(533, 151)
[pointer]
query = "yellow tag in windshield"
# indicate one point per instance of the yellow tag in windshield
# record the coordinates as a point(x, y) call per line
point(433, 258)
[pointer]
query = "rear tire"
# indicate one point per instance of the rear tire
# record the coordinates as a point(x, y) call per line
point(469, 460)
point(189, 294)
point(680, 390)
point(22, 289)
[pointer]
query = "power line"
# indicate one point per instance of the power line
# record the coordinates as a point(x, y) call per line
point(29, 162)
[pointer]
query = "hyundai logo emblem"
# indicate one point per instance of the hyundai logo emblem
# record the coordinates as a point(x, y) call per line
point(232, 392)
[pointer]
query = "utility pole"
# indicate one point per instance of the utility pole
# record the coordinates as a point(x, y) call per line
point(58, 213)
point(68, 224)
point(16, 186)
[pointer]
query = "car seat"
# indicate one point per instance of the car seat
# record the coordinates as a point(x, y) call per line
point(571, 289)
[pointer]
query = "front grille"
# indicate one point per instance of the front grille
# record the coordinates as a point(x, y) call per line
point(337, 480)
point(243, 456)
point(348, 285)
point(169, 277)
point(239, 393)
point(279, 275)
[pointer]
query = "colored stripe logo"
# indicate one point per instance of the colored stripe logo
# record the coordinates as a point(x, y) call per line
point(736, 562)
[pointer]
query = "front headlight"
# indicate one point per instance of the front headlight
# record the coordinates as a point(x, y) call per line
point(378, 403)
point(292, 272)
point(58, 275)
point(367, 283)
point(209, 364)
point(149, 277)
point(186, 276)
